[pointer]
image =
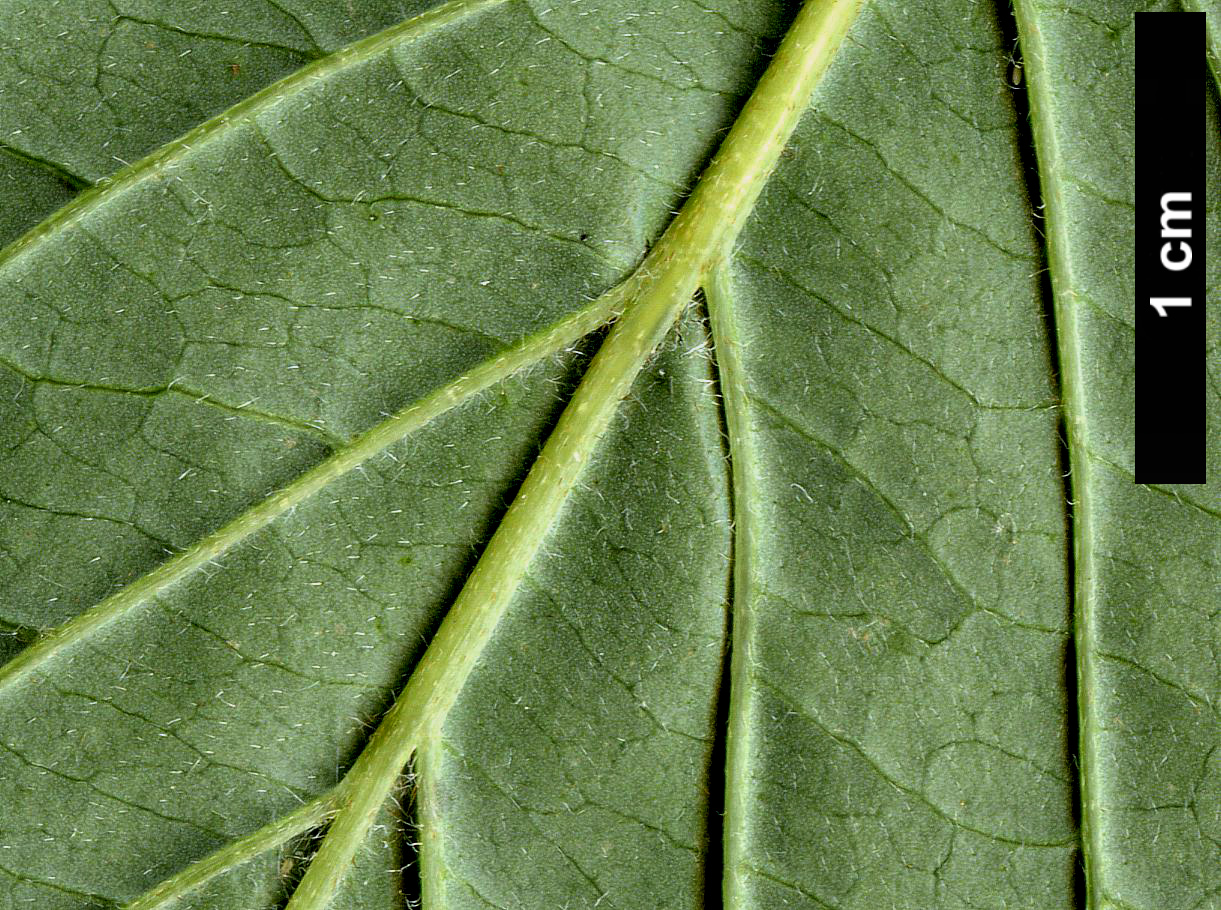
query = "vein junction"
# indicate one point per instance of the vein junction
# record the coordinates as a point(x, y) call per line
point(654, 295)
point(650, 301)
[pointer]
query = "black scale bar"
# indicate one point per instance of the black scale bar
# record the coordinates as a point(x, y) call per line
point(1171, 74)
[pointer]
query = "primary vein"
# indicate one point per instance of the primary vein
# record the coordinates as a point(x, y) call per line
point(655, 294)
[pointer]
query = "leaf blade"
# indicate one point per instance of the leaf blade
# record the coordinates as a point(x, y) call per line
point(888, 271)
point(907, 592)
point(1131, 615)
point(244, 568)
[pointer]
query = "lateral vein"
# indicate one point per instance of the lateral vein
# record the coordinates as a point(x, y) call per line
point(718, 291)
point(166, 157)
point(365, 446)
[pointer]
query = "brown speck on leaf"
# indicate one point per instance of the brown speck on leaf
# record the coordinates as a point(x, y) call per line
point(235, 69)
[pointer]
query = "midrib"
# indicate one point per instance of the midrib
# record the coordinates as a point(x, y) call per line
point(693, 245)
point(663, 285)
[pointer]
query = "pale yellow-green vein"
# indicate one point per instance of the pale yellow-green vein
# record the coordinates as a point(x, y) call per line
point(1052, 172)
point(365, 446)
point(166, 158)
point(727, 342)
point(708, 223)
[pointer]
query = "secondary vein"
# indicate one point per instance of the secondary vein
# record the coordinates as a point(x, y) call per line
point(365, 446)
point(655, 294)
point(168, 156)
point(718, 291)
point(1079, 481)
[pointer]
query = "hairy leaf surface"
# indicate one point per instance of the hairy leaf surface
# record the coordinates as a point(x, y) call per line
point(1148, 558)
point(816, 626)
point(91, 85)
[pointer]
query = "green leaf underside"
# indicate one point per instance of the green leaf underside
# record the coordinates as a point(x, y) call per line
point(905, 616)
point(137, 74)
point(1148, 558)
point(196, 336)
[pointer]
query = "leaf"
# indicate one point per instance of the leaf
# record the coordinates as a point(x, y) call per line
point(269, 392)
point(1147, 557)
point(133, 74)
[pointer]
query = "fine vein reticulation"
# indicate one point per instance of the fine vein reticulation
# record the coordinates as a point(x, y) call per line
point(654, 296)
point(649, 301)
point(525, 353)
point(697, 252)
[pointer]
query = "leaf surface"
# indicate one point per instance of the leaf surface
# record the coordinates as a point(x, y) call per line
point(269, 392)
point(1148, 558)
point(90, 86)
point(899, 654)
